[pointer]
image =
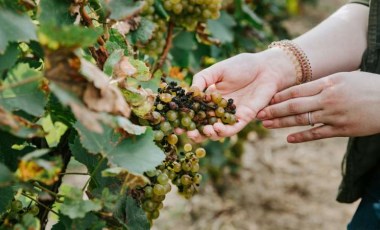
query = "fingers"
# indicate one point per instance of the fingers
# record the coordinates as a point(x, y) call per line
point(290, 107)
point(260, 98)
point(208, 77)
point(295, 120)
point(320, 132)
point(307, 89)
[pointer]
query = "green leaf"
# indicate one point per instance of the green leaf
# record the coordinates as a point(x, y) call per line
point(89, 222)
point(15, 27)
point(222, 28)
point(22, 91)
point(56, 12)
point(143, 72)
point(135, 216)
point(9, 58)
point(185, 41)
point(5, 198)
point(92, 162)
point(5, 175)
point(68, 36)
point(29, 221)
point(10, 155)
point(143, 33)
point(121, 9)
point(112, 60)
point(75, 207)
point(160, 9)
point(19, 126)
point(136, 154)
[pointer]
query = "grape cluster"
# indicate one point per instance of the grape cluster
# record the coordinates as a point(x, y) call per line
point(156, 44)
point(176, 107)
point(17, 211)
point(188, 13)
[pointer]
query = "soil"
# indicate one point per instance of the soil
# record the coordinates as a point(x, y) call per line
point(281, 186)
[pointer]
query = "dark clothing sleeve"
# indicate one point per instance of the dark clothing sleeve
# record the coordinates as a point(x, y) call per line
point(363, 2)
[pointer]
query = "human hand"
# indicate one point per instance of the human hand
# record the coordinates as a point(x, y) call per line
point(250, 80)
point(345, 104)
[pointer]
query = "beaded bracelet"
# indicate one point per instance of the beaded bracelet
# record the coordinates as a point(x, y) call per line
point(301, 62)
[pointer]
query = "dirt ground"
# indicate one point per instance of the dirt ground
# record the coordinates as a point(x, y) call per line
point(282, 186)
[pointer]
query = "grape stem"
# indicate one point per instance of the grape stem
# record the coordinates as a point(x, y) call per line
point(57, 196)
point(165, 52)
point(39, 203)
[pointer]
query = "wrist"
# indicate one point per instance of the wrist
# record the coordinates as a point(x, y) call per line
point(277, 62)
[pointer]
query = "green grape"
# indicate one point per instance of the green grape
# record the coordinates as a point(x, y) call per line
point(34, 210)
point(186, 180)
point(202, 115)
point(151, 173)
point(219, 112)
point(166, 97)
point(165, 127)
point(189, 191)
point(186, 166)
point(187, 147)
point(171, 175)
point(149, 205)
point(160, 107)
point(158, 198)
point(172, 115)
point(226, 118)
point(160, 206)
point(215, 96)
point(158, 135)
point(177, 8)
point(191, 114)
point(16, 205)
point(223, 103)
point(148, 191)
point(155, 214)
point(158, 189)
point(176, 123)
point(172, 139)
point(168, 188)
point(195, 168)
point(186, 121)
point(163, 179)
point(197, 178)
point(212, 120)
point(200, 152)
point(176, 167)
point(192, 126)
point(232, 119)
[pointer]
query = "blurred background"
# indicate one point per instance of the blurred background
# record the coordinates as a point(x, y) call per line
point(272, 184)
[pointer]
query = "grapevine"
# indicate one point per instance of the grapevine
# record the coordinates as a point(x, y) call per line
point(176, 107)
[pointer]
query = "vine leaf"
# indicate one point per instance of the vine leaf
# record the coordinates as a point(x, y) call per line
point(112, 60)
point(135, 154)
point(89, 222)
point(75, 207)
point(101, 96)
point(130, 180)
point(9, 57)
point(5, 198)
point(6, 175)
point(141, 100)
point(22, 91)
point(15, 27)
point(28, 221)
point(55, 12)
point(135, 217)
point(221, 29)
point(121, 9)
point(67, 36)
point(143, 33)
point(19, 126)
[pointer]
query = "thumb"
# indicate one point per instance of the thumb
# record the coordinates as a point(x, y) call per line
point(208, 77)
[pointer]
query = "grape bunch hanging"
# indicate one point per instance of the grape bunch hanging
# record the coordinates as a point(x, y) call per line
point(188, 13)
point(190, 109)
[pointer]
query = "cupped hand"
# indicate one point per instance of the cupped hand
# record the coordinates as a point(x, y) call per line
point(342, 105)
point(250, 80)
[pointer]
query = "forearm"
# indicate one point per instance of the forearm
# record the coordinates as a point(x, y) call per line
point(338, 43)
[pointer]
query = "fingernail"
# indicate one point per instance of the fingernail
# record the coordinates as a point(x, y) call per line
point(268, 123)
point(261, 115)
point(291, 139)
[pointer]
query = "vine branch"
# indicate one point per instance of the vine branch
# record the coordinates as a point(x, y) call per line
point(168, 45)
